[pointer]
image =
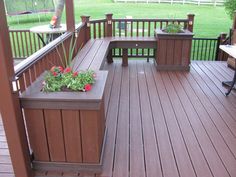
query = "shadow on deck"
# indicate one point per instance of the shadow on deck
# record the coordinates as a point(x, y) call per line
point(164, 124)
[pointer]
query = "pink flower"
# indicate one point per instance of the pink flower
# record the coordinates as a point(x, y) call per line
point(87, 87)
point(60, 68)
point(53, 69)
point(67, 70)
point(54, 74)
point(75, 74)
point(94, 75)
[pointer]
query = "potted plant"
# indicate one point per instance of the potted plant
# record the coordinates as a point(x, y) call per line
point(173, 47)
point(65, 119)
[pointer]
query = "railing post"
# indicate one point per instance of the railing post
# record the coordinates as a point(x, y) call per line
point(85, 20)
point(70, 19)
point(190, 22)
point(220, 53)
point(108, 33)
point(108, 28)
point(10, 106)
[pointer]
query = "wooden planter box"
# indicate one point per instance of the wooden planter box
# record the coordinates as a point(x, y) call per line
point(66, 130)
point(173, 50)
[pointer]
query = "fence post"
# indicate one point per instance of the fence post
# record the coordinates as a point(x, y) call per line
point(190, 22)
point(220, 56)
point(85, 20)
point(108, 27)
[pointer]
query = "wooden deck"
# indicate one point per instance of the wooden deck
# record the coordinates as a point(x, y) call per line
point(164, 124)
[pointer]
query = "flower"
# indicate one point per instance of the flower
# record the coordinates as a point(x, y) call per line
point(67, 70)
point(87, 87)
point(54, 74)
point(60, 68)
point(58, 79)
point(94, 75)
point(75, 74)
point(53, 69)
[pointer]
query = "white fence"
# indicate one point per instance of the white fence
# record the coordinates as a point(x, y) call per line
point(197, 2)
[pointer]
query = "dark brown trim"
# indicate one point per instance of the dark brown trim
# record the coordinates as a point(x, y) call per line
point(70, 18)
point(30, 61)
point(9, 105)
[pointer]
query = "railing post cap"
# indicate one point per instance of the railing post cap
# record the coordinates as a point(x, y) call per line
point(109, 14)
point(191, 14)
point(85, 18)
point(223, 34)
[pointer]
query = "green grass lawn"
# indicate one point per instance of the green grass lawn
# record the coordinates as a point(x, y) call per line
point(210, 21)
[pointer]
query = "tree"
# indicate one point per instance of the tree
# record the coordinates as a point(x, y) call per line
point(230, 7)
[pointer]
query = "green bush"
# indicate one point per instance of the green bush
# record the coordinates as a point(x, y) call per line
point(173, 28)
point(230, 7)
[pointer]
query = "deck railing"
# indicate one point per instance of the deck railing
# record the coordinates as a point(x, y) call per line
point(204, 48)
point(132, 27)
point(25, 43)
point(28, 70)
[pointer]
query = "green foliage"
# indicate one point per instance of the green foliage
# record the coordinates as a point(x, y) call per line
point(58, 79)
point(230, 7)
point(173, 28)
point(209, 21)
point(66, 59)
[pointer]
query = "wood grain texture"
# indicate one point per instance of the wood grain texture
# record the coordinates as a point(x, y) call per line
point(72, 135)
point(178, 52)
point(173, 51)
point(179, 120)
point(161, 52)
point(170, 55)
point(54, 128)
point(37, 133)
point(91, 132)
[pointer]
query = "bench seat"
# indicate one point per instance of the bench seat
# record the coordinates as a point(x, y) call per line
point(93, 55)
point(133, 42)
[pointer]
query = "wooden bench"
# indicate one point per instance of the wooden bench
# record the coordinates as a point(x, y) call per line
point(93, 54)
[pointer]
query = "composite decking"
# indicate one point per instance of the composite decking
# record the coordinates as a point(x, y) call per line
point(164, 124)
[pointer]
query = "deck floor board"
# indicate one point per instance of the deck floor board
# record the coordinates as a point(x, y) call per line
point(163, 124)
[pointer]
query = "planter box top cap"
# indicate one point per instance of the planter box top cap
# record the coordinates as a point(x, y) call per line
point(162, 34)
point(33, 97)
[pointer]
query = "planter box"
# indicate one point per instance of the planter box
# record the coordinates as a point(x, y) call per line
point(173, 50)
point(66, 129)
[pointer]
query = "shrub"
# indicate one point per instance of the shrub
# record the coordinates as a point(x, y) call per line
point(230, 7)
point(173, 28)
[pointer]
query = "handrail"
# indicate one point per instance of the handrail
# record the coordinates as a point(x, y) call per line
point(141, 19)
point(150, 19)
point(19, 30)
point(97, 20)
point(31, 60)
